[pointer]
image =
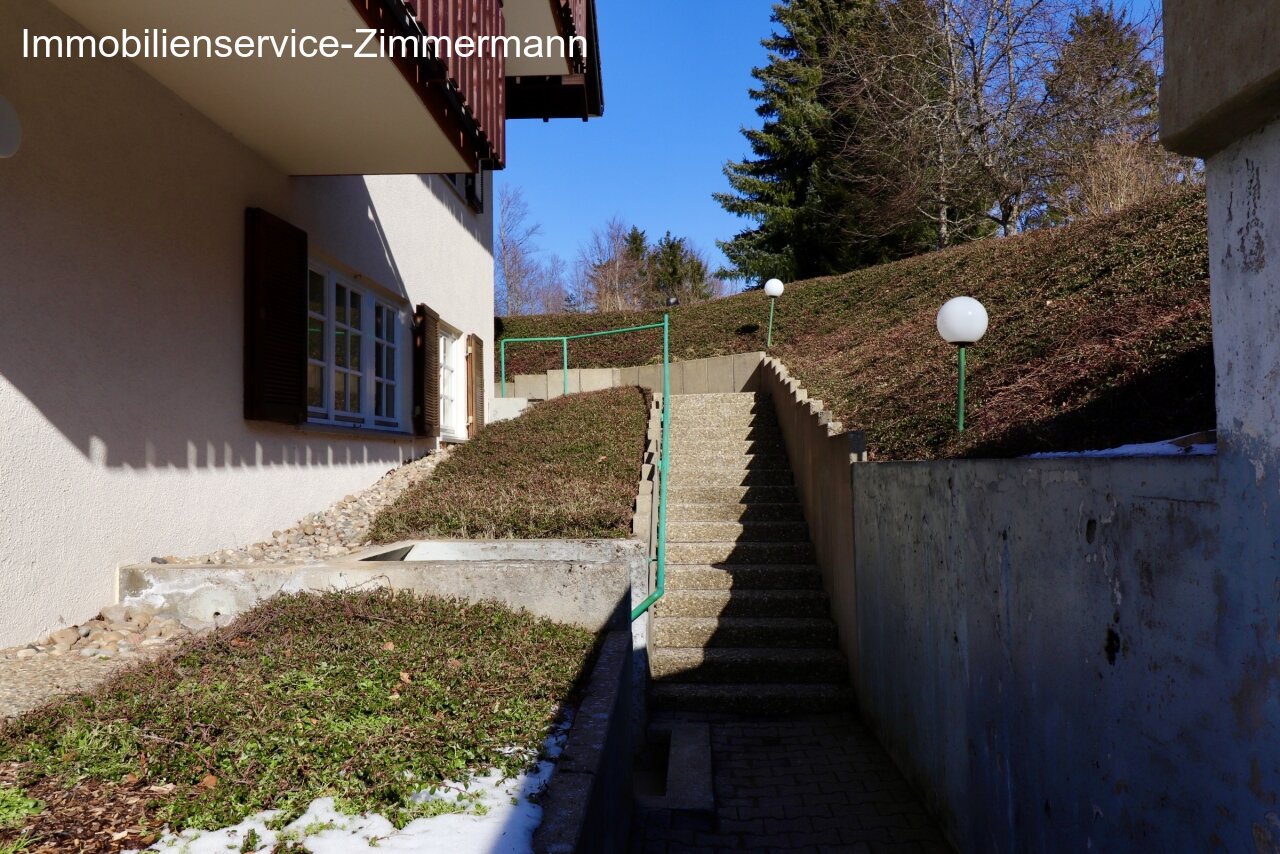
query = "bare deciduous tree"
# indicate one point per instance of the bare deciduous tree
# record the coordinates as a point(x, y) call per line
point(517, 268)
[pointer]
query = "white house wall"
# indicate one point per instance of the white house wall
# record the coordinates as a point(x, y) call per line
point(121, 313)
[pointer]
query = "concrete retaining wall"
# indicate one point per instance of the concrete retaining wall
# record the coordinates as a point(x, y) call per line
point(1070, 655)
point(587, 804)
point(584, 582)
point(720, 374)
point(821, 451)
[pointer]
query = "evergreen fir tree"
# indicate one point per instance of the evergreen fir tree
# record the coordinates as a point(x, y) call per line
point(787, 187)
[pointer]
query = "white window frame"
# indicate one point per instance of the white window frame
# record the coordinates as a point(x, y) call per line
point(451, 340)
point(369, 301)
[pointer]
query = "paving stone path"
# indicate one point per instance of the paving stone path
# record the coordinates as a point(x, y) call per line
point(798, 784)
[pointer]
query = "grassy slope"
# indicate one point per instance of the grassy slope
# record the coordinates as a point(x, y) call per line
point(1100, 335)
point(366, 697)
point(567, 468)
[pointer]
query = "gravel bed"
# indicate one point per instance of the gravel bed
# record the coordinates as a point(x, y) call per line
point(78, 658)
point(338, 531)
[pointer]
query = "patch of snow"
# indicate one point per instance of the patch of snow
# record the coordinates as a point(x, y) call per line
point(1171, 448)
point(497, 817)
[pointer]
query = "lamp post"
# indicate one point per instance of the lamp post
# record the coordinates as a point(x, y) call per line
point(962, 321)
point(773, 288)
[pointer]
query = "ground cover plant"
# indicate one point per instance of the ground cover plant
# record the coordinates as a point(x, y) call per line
point(366, 697)
point(566, 468)
point(1100, 336)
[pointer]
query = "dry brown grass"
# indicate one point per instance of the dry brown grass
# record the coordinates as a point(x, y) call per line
point(567, 468)
point(1100, 335)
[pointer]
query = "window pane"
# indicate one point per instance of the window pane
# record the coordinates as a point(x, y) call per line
point(315, 339)
point(355, 351)
point(377, 360)
point(340, 391)
point(378, 312)
point(353, 389)
point(390, 406)
point(392, 321)
point(340, 303)
point(390, 372)
point(378, 390)
point(355, 310)
point(340, 348)
point(315, 292)
point(315, 385)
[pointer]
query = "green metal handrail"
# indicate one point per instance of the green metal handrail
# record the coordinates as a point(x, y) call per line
point(664, 459)
point(564, 343)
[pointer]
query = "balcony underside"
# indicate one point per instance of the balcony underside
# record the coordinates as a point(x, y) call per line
point(306, 116)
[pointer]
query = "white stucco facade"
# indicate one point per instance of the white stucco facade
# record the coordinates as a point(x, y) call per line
point(121, 328)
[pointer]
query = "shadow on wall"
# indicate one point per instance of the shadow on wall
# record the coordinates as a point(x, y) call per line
point(127, 333)
point(341, 207)
point(477, 226)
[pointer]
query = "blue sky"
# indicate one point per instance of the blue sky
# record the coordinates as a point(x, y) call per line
point(676, 74)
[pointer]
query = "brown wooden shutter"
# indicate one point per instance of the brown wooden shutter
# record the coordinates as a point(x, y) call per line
point(426, 372)
point(475, 383)
point(275, 319)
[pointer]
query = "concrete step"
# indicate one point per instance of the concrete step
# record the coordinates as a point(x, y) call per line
point(755, 632)
point(729, 460)
point(750, 698)
point(729, 477)
point(748, 665)
point(743, 576)
point(742, 603)
point(749, 431)
point(719, 532)
point(719, 402)
point(690, 494)
point(684, 418)
point(740, 552)
point(728, 512)
point(730, 445)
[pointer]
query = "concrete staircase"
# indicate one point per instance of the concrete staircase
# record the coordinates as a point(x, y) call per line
point(744, 625)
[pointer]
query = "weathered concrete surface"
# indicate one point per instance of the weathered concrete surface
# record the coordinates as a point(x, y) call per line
point(1222, 77)
point(716, 375)
point(821, 452)
point(506, 408)
point(585, 583)
point(1092, 669)
point(587, 804)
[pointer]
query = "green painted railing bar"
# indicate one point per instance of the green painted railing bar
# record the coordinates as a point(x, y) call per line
point(564, 346)
point(960, 407)
point(664, 460)
point(664, 469)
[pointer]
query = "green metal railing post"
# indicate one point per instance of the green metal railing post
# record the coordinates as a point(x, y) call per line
point(960, 408)
point(772, 302)
point(502, 349)
point(664, 469)
point(564, 343)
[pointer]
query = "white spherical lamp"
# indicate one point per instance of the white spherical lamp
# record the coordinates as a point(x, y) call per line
point(962, 321)
point(10, 129)
point(774, 288)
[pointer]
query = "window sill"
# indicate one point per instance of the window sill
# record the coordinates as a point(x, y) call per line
point(355, 431)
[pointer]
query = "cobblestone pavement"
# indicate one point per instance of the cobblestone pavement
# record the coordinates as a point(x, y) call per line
point(811, 784)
